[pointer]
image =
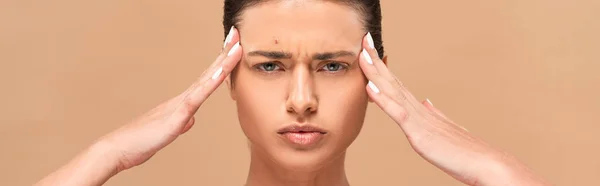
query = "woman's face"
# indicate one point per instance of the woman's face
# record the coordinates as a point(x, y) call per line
point(299, 90)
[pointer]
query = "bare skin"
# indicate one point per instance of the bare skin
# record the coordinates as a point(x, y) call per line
point(300, 65)
point(438, 139)
point(136, 142)
point(303, 90)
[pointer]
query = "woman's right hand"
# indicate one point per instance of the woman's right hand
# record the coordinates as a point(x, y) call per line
point(136, 142)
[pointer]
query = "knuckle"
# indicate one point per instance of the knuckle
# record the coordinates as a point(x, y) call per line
point(398, 97)
point(400, 115)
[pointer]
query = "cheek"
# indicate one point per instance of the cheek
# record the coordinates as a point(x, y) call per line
point(259, 105)
point(343, 103)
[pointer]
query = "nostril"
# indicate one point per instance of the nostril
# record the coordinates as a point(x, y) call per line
point(301, 102)
point(301, 109)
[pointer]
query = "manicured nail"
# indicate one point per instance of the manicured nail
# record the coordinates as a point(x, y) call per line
point(373, 87)
point(234, 48)
point(367, 56)
point(217, 73)
point(370, 40)
point(229, 37)
point(428, 101)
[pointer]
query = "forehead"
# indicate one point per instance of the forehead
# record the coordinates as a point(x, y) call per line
point(320, 24)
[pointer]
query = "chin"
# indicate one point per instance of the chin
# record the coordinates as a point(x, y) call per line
point(303, 161)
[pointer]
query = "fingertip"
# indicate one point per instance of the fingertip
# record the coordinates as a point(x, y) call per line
point(367, 57)
point(429, 102)
point(373, 87)
point(371, 94)
point(231, 36)
point(231, 42)
point(233, 49)
point(369, 45)
point(428, 105)
point(235, 38)
point(233, 58)
point(370, 41)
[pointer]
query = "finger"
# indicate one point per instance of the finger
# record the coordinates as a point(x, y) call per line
point(369, 47)
point(385, 89)
point(382, 92)
point(230, 41)
point(378, 72)
point(396, 112)
point(379, 83)
point(208, 82)
point(227, 45)
point(211, 81)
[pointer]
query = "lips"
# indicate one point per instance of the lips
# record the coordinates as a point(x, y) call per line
point(301, 129)
point(302, 136)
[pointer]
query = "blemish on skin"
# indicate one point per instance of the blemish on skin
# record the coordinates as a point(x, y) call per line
point(276, 41)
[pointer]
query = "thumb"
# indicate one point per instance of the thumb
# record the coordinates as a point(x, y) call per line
point(188, 125)
point(427, 103)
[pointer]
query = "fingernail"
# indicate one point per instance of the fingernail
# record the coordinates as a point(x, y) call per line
point(428, 101)
point(370, 40)
point(234, 48)
point(373, 87)
point(217, 73)
point(367, 56)
point(229, 37)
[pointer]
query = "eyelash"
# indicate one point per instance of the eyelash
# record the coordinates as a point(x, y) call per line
point(343, 66)
point(260, 67)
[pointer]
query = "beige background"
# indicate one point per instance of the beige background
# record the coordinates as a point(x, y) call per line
point(522, 74)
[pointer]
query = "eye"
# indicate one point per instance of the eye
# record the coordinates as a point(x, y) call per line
point(268, 67)
point(334, 67)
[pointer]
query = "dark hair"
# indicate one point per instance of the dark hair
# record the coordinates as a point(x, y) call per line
point(369, 9)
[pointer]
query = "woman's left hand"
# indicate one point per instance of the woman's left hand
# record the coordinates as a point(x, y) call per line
point(436, 138)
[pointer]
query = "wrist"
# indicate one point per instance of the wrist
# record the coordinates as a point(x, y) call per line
point(106, 156)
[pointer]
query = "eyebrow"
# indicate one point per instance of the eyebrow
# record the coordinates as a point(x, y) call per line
point(287, 55)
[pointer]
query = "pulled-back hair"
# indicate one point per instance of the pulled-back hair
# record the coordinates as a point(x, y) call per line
point(370, 10)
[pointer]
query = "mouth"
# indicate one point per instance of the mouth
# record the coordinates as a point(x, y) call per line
point(302, 136)
point(301, 129)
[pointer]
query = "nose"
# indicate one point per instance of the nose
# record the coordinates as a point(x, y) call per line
point(301, 99)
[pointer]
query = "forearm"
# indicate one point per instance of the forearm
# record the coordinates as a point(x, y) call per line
point(507, 170)
point(94, 166)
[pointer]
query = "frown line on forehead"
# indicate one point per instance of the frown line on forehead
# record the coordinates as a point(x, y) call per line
point(288, 55)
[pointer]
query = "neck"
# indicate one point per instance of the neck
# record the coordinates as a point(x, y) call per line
point(264, 172)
